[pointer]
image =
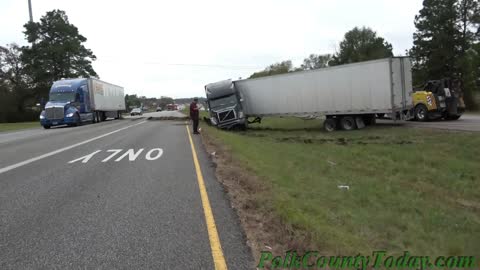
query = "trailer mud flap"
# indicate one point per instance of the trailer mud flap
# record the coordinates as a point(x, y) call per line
point(359, 122)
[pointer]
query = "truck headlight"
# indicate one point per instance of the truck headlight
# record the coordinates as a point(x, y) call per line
point(42, 116)
point(69, 115)
point(240, 114)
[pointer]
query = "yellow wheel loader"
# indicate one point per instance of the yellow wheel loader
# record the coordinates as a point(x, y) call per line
point(438, 99)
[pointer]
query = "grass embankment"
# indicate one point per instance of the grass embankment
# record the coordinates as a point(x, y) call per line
point(409, 189)
point(18, 126)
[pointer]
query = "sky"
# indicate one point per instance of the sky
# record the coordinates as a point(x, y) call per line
point(174, 48)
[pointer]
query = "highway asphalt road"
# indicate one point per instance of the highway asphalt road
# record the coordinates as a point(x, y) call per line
point(123, 194)
point(468, 122)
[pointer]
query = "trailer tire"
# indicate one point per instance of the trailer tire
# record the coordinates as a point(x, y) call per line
point(348, 123)
point(330, 124)
point(421, 113)
point(97, 117)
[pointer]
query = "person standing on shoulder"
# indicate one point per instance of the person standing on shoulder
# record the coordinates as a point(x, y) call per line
point(194, 115)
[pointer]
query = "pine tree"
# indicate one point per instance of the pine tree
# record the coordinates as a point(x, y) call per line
point(436, 44)
point(444, 43)
point(57, 51)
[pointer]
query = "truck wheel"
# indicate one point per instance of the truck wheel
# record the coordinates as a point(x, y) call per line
point(46, 127)
point(78, 120)
point(348, 123)
point(103, 116)
point(421, 113)
point(329, 124)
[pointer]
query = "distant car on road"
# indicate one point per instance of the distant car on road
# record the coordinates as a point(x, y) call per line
point(172, 107)
point(136, 111)
point(159, 109)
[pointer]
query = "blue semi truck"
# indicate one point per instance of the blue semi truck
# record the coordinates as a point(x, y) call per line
point(75, 101)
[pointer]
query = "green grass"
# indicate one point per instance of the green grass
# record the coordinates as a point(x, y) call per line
point(410, 189)
point(18, 126)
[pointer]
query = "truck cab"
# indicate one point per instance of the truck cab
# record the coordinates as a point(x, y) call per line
point(438, 99)
point(68, 104)
point(225, 105)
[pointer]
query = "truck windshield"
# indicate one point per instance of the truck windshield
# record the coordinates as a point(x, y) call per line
point(223, 102)
point(62, 96)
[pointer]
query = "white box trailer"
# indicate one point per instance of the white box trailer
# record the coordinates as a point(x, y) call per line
point(351, 95)
point(106, 96)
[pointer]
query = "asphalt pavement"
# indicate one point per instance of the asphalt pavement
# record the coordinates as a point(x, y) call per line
point(165, 114)
point(122, 194)
point(468, 122)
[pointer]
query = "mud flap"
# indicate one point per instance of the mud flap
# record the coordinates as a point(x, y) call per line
point(359, 122)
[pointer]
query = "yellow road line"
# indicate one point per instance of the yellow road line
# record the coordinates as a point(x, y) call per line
point(217, 253)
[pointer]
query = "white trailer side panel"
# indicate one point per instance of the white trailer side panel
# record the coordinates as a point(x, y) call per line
point(355, 88)
point(106, 96)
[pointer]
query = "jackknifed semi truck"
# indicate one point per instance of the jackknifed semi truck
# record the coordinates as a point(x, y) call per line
point(74, 101)
point(348, 96)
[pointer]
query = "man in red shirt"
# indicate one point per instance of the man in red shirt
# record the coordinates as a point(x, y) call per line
point(194, 115)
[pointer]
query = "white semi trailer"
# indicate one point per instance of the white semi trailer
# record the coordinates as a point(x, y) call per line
point(75, 101)
point(348, 96)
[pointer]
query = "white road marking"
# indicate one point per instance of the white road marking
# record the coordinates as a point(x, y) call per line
point(131, 155)
point(112, 155)
point(148, 156)
point(28, 161)
point(86, 158)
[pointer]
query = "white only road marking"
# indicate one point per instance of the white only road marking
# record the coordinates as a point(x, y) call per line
point(86, 158)
point(148, 156)
point(28, 161)
point(131, 155)
point(116, 151)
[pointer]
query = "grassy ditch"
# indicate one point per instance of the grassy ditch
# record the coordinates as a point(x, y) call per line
point(404, 188)
point(18, 126)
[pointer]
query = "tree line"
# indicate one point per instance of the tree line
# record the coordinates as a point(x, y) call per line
point(446, 44)
point(133, 101)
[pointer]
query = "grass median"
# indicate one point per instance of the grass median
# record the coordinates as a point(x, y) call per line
point(381, 188)
point(18, 126)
